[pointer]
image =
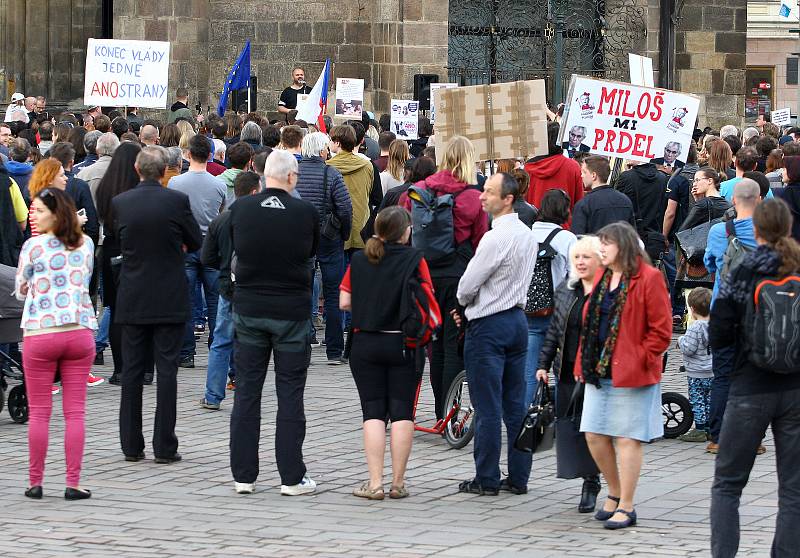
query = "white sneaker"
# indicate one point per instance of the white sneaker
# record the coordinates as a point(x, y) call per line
point(244, 487)
point(305, 486)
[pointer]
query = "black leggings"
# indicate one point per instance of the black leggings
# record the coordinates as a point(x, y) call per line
point(385, 376)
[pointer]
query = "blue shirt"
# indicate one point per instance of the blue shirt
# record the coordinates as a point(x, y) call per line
point(718, 243)
point(726, 189)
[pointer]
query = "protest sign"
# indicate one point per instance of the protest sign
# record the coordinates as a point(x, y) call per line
point(781, 117)
point(618, 119)
point(434, 88)
point(126, 73)
point(503, 120)
point(641, 70)
point(405, 119)
point(349, 97)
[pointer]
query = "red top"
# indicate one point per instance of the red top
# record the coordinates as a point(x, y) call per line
point(645, 331)
point(469, 219)
point(215, 169)
point(555, 171)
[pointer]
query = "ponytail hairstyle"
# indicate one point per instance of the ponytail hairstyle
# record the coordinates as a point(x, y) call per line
point(772, 221)
point(710, 172)
point(390, 226)
point(67, 229)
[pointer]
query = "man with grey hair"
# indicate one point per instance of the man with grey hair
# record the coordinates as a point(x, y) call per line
point(90, 145)
point(148, 135)
point(271, 314)
point(719, 248)
point(575, 144)
point(106, 145)
point(729, 130)
point(324, 187)
point(154, 226)
point(669, 161)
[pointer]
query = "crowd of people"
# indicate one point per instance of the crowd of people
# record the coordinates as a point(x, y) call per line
point(139, 234)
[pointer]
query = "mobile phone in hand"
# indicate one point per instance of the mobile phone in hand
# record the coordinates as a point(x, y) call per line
point(82, 212)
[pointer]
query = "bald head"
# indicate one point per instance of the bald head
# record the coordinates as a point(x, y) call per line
point(148, 135)
point(746, 194)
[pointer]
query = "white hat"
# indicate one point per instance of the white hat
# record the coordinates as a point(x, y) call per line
point(17, 97)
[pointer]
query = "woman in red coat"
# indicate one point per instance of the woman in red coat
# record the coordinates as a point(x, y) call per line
point(627, 327)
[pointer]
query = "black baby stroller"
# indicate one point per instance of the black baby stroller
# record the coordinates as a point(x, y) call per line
point(10, 332)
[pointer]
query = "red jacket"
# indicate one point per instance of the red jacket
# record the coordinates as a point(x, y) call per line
point(470, 221)
point(645, 331)
point(554, 171)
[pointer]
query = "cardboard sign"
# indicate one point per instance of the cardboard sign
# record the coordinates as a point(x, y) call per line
point(503, 120)
point(641, 70)
point(617, 119)
point(126, 73)
point(781, 117)
point(434, 88)
point(349, 98)
point(405, 119)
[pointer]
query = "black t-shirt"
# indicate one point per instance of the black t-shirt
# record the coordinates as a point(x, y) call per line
point(289, 96)
point(274, 237)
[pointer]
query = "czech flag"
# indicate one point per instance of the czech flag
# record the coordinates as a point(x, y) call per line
point(317, 103)
point(238, 78)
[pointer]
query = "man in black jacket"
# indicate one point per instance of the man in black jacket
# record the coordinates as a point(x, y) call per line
point(602, 205)
point(646, 186)
point(216, 244)
point(77, 189)
point(274, 237)
point(324, 187)
point(155, 226)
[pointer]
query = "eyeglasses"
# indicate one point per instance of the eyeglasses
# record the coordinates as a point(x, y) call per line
point(575, 135)
point(696, 180)
point(670, 151)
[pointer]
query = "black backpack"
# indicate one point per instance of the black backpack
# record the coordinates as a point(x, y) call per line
point(433, 230)
point(773, 325)
point(541, 300)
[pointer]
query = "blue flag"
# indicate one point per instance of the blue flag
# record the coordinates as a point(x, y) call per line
point(238, 78)
point(784, 11)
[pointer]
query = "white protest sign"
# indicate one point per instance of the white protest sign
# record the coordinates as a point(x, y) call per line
point(618, 119)
point(434, 88)
point(404, 119)
point(641, 70)
point(126, 73)
point(349, 97)
point(781, 117)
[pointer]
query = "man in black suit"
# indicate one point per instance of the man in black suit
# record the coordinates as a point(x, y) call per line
point(669, 161)
point(155, 226)
point(575, 144)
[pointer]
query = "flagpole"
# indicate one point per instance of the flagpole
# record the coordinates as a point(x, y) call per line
point(248, 96)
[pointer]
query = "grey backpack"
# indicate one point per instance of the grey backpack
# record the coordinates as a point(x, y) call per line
point(735, 252)
point(432, 228)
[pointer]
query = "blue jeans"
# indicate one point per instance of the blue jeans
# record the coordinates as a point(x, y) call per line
point(220, 354)
point(101, 338)
point(494, 354)
point(722, 361)
point(670, 266)
point(315, 288)
point(537, 330)
point(208, 277)
point(198, 304)
point(330, 256)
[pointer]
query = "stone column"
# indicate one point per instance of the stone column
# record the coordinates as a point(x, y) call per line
point(710, 60)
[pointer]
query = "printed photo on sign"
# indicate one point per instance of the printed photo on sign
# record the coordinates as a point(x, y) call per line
point(126, 73)
point(405, 119)
point(349, 97)
point(637, 123)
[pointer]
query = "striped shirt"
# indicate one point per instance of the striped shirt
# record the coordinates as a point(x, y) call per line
point(498, 276)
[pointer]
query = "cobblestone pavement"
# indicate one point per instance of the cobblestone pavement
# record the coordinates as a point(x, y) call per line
point(190, 509)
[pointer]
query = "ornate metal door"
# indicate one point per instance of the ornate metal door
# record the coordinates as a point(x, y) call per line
point(503, 40)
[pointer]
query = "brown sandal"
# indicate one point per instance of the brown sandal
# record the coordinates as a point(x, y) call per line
point(398, 492)
point(364, 491)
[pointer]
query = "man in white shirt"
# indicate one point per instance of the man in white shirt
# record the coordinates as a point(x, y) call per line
point(494, 290)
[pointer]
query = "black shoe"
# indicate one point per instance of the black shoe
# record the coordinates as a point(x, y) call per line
point(98, 359)
point(506, 486)
point(114, 379)
point(473, 487)
point(34, 492)
point(591, 488)
point(77, 494)
point(148, 380)
point(630, 521)
point(134, 458)
point(603, 515)
point(163, 460)
point(187, 362)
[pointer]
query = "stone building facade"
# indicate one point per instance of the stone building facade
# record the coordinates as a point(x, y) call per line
point(384, 42)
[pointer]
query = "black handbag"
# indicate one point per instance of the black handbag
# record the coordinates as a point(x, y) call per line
point(573, 459)
point(538, 426)
point(331, 225)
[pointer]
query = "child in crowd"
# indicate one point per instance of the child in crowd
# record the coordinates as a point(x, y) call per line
point(697, 362)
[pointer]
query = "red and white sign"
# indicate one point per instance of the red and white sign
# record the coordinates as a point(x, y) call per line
point(618, 119)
